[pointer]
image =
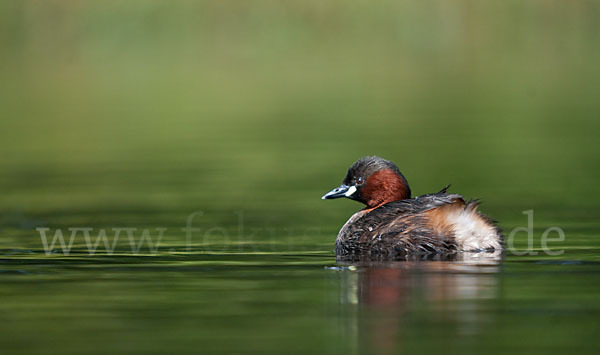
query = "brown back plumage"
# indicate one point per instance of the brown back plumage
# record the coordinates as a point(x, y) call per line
point(404, 228)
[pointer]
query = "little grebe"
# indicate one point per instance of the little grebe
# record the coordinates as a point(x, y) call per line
point(396, 226)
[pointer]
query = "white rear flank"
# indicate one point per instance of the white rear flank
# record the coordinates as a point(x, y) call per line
point(472, 231)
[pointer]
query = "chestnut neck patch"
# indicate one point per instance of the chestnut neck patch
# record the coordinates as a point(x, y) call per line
point(384, 186)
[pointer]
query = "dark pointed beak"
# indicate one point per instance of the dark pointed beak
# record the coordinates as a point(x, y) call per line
point(341, 191)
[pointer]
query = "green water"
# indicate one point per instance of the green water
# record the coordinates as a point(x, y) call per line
point(143, 114)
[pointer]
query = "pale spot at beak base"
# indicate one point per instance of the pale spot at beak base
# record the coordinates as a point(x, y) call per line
point(350, 191)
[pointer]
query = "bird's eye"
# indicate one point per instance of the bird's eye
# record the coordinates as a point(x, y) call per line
point(359, 180)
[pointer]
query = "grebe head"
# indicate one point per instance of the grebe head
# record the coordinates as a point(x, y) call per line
point(373, 181)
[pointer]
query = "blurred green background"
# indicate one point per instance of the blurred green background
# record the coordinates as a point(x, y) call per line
point(264, 104)
point(137, 113)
